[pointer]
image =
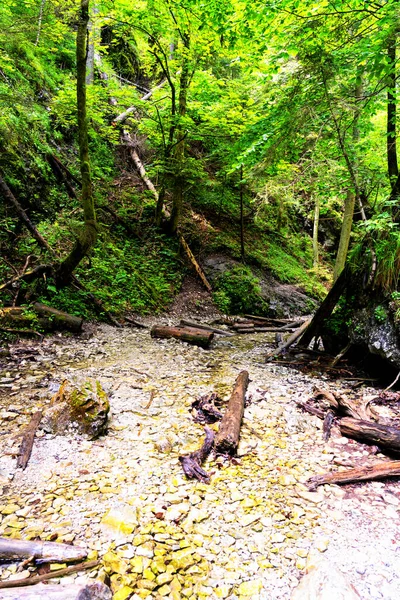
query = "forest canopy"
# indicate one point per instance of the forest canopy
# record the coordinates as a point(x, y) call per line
point(279, 117)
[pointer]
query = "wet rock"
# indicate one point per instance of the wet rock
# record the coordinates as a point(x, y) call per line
point(82, 410)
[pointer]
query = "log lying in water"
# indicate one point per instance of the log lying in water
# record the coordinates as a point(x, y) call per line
point(87, 591)
point(25, 449)
point(11, 549)
point(227, 438)
point(369, 473)
point(191, 335)
point(371, 433)
point(48, 318)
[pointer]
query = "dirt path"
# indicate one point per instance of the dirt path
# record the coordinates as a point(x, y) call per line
point(249, 534)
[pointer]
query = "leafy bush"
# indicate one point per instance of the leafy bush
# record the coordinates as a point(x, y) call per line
point(238, 291)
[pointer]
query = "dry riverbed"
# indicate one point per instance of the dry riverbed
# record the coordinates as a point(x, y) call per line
point(249, 534)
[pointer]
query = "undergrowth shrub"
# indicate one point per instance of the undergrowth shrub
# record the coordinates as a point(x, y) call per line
point(239, 291)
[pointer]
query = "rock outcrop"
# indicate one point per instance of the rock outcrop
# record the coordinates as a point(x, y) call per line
point(82, 410)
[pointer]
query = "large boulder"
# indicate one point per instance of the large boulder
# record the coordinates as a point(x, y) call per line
point(82, 410)
point(278, 299)
point(375, 327)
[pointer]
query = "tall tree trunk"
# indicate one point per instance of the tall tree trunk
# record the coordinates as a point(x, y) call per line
point(40, 19)
point(393, 169)
point(88, 235)
point(351, 197)
point(241, 215)
point(315, 231)
point(179, 152)
point(92, 31)
point(345, 234)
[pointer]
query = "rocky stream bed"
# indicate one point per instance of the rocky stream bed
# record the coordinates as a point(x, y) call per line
point(251, 533)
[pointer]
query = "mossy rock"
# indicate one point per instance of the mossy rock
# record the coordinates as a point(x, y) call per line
point(82, 410)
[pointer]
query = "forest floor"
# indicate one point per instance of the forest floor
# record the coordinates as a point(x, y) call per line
point(250, 533)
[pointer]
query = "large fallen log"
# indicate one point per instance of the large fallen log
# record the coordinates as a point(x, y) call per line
point(227, 438)
point(26, 446)
point(185, 323)
point(46, 317)
point(86, 591)
point(11, 549)
point(191, 463)
point(371, 433)
point(369, 473)
point(90, 564)
point(59, 318)
point(291, 340)
point(191, 335)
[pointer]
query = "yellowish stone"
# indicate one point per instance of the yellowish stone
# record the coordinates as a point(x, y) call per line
point(123, 593)
point(222, 591)
point(137, 564)
point(122, 520)
point(250, 588)
point(165, 590)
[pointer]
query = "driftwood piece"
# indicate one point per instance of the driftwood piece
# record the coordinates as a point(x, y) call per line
point(227, 438)
point(86, 591)
point(312, 409)
point(135, 323)
point(191, 335)
point(369, 473)
point(26, 446)
point(206, 411)
point(185, 323)
point(11, 549)
point(371, 433)
point(90, 564)
point(327, 426)
point(291, 339)
point(191, 463)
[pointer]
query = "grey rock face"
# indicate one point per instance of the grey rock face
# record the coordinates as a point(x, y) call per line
point(380, 336)
point(284, 300)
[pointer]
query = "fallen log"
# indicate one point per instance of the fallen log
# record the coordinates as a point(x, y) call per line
point(26, 446)
point(195, 264)
point(47, 318)
point(206, 410)
point(227, 438)
point(59, 318)
point(45, 552)
point(86, 591)
point(369, 473)
point(90, 564)
point(135, 323)
point(269, 319)
point(291, 339)
point(191, 463)
point(371, 433)
point(191, 335)
point(185, 323)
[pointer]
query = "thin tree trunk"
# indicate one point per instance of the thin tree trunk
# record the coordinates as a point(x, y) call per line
point(393, 169)
point(8, 195)
point(88, 235)
point(241, 215)
point(178, 179)
point(315, 231)
point(345, 234)
point(351, 197)
point(39, 29)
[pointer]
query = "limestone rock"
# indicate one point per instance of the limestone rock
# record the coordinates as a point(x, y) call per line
point(324, 582)
point(82, 410)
